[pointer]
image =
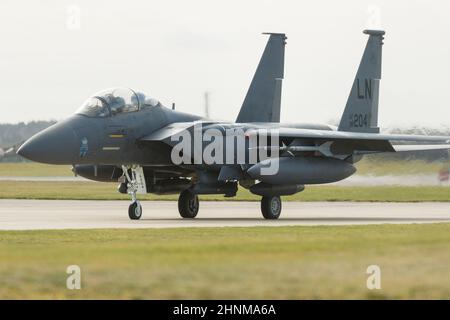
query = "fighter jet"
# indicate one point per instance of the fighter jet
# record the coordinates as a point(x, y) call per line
point(126, 136)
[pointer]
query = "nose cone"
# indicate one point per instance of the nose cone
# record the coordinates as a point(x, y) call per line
point(55, 145)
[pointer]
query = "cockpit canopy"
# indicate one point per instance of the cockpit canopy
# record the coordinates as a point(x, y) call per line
point(115, 101)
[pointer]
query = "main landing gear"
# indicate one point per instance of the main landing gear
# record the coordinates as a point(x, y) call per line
point(271, 207)
point(188, 204)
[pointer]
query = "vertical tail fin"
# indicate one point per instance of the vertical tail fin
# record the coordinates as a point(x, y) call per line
point(263, 99)
point(361, 111)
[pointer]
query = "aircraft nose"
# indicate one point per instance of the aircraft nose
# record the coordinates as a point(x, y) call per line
point(55, 145)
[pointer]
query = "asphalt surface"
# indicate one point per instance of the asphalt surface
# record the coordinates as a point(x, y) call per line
point(68, 214)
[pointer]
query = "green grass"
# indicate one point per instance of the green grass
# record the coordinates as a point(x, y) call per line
point(108, 191)
point(257, 263)
point(380, 167)
point(367, 166)
point(33, 169)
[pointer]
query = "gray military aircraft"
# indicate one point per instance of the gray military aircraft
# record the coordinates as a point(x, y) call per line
point(126, 136)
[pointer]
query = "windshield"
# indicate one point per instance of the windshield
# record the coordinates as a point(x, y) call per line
point(115, 101)
point(94, 107)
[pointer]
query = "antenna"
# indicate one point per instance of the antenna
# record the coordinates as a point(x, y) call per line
point(206, 104)
point(173, 105)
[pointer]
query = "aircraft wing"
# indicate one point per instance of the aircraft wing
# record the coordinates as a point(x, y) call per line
point(328, 142)
point(344, 135)
point(343, 142)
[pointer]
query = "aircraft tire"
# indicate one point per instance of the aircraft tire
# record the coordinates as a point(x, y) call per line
point(271, 207)
point(188, 204)
point(135, 210)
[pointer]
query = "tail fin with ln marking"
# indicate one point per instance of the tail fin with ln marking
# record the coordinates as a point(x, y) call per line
point(361, 111)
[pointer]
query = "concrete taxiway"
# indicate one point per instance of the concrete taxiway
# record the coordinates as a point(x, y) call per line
point(67, 214)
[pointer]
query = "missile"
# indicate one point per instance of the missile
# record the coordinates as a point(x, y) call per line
point(324, 148)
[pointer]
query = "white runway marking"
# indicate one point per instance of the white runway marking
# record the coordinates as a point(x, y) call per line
point(68, 214)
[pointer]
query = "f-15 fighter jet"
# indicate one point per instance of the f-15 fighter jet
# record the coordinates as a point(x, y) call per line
point(126, 136)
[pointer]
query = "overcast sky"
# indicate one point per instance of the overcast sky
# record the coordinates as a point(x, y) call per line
point(55, 54)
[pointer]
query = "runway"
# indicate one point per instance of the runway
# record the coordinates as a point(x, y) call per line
point(68, 214)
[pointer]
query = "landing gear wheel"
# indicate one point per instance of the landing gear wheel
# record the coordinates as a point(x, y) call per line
point(135, 210)
point(271, 207)
point(188, 204)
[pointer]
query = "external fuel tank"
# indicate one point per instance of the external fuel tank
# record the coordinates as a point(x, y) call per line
point(304, 170)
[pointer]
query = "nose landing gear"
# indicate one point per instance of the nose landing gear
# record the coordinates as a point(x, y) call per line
point(135, 210)
point(135, 184)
